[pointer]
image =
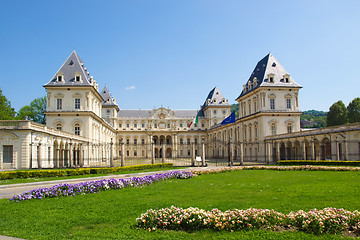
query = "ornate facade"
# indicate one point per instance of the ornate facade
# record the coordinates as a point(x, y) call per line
point(86, 127)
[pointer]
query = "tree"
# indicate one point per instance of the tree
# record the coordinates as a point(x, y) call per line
point(337, 114)
point(6, 111)
point(353, 110)
point(35, 111)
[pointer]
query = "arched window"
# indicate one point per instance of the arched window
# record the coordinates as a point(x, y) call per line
point(58, 126)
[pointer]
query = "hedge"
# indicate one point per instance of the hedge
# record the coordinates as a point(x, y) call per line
point(77, 171)
point(319, 162)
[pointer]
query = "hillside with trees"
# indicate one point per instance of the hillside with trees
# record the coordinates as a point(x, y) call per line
point(313, 119)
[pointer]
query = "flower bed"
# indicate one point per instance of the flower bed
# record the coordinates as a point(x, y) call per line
point(277, 168)
point(319, 162)
point(328, 220)
point(65, 190)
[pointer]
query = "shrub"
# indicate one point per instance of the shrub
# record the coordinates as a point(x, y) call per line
point(319, 162)
point(76, 172)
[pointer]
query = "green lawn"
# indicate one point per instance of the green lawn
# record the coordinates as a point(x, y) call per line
point(112, 214)
point(28, 180)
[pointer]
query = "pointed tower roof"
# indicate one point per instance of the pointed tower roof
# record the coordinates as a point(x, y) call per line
point(214, 98)
point(73, 66)
point(268, 72)
point(109, 100)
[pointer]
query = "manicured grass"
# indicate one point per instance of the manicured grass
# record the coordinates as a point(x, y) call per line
point(112, 214)
point(28, 180)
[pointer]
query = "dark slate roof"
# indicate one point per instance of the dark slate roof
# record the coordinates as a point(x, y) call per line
point(214, 98)
point(109, 100)
point(149, 113)
point(72, 65)
point(268, 65)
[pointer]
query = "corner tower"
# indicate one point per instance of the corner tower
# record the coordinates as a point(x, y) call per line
point(268, 103)
point(74, 103)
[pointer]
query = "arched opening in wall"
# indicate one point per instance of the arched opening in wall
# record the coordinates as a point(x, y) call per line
point(156, 153)
point(168, 140)
point(289, 151)
point(156, 140)
point(307, 150)
point(326, 149)
point(282, 151)
point(162, 139)
point(297, 150)
point(168, 153)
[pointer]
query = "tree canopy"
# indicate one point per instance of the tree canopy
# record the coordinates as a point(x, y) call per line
point(337, 114)
point(354, 110)
point(35, 111)
point(6, 111)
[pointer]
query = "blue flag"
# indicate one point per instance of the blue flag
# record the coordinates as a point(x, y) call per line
point(229, 119)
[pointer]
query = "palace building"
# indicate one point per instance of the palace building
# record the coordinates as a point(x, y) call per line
point(86, 127)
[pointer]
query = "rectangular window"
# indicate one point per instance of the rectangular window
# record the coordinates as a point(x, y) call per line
point(59, 78)
point(135, 153)
point(188, 141)
point(181, 125)
point(142, 141)
point(127, 153)
point(202, 125)
point(155, 125)
point(127, 125)
point(127, 141)
point(120, 125)
point(196, 153)
point(288, 103)
point(272, 103)
point(59, 104)
point(273, 130)
point(7, 153)
point(77, 78)
point(188, 152)
point(77, 130)
point(181, 142)
point(135, 141)
point(289, 129)
point(195, 125)
point(196, 141)
point(135, 125)
point(142, 125)
point(107, 111)
point(77, 103)
point(255, 107)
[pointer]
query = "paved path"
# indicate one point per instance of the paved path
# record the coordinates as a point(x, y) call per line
point(7, 191)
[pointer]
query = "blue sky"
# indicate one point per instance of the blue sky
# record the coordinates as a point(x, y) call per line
point(172, 53)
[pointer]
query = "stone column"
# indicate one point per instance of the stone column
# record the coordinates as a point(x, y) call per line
point(39, 157)
point(231, 153)
point(304, 150)
point(112, 164)
point(71, 155)
point(241, 153)
point(337, 150)
point(81, 156)
point(268, 152)
point(152, 152)
point(122, 153)
point(312, 149)
point(163, 153)
point(203, 153)
point(278, 145)
point(193, 154)
point(345, 150)
point(56, 162)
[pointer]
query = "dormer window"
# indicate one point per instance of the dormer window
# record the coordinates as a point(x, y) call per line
point(214, 100)
point(254, 81)
point(286, 78)
point(77, 77)
point(271, 77)
point(59, 78)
